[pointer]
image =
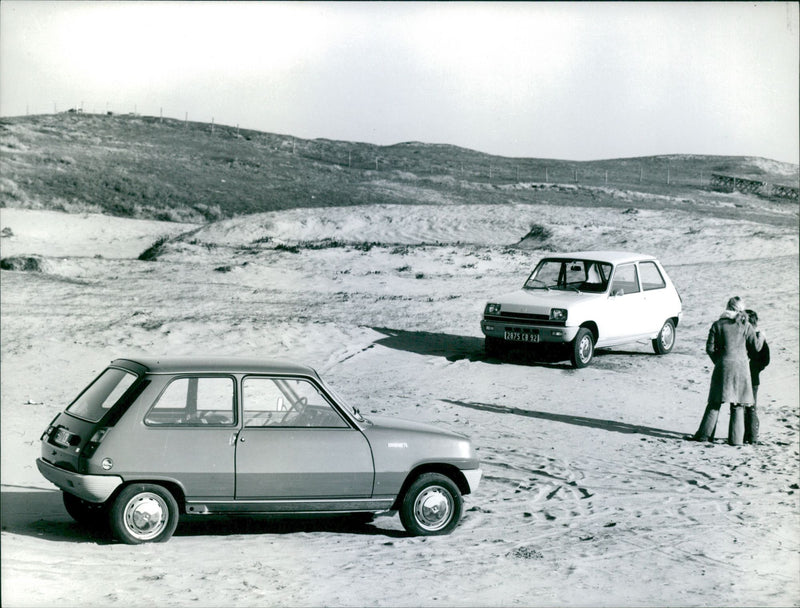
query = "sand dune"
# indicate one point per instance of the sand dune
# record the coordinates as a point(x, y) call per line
point(590, 495)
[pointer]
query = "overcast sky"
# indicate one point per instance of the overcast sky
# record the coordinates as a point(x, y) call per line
point(575, 81)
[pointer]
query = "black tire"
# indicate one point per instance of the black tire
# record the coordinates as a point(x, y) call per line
point(665, 339)
point(144, 513)
point(432, 506)
point(582, 348)
point(494, 347)
point(83, 511)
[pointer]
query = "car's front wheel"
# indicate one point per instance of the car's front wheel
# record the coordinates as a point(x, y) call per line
point(665, 339)
point(83, 511)
point(431, 506)
point(582, 348)
point(144, 513)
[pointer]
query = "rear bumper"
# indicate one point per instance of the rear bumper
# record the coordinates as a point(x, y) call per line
point(92, 488)
point(546, 333)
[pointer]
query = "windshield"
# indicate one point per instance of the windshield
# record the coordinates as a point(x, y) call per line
point(338, 398)
point(570, 275)
point(101, 394)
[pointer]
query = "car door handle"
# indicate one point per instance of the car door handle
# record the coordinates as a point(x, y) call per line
point(232, 440)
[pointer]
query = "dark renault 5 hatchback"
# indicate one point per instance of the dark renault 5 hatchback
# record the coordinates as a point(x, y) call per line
point(151, 438)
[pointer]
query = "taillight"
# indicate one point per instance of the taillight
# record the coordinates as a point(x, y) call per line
point(49, 430)
point(91, 446)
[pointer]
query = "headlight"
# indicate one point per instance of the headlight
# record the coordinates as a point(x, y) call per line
point(558, 314)
point(492, 309)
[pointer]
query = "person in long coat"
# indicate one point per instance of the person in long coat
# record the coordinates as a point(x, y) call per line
point(728, 342)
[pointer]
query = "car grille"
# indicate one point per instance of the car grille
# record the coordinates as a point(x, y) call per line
point(524, 318)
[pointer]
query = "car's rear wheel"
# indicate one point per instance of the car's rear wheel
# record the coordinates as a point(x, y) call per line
point(431, 506)
point(144, 513)
point(83, 511)
point(582, 348)
point(665, 339)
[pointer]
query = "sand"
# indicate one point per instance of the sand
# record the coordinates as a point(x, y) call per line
point(590, 495)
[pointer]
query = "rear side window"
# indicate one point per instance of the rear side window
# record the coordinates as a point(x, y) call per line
point(93, 403)
point(195, 401)
point(651, 276)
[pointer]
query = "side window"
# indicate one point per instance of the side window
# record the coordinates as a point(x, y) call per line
point(195, 401)
point(651, 276)
point(287, 402)
point(625, 280)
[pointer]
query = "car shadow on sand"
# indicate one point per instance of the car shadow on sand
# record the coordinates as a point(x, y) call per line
point(456, 348)
point(613, 426)
point(41, 514)
point(242, 524)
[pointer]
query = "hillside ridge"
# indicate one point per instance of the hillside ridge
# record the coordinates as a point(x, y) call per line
point(168, 169)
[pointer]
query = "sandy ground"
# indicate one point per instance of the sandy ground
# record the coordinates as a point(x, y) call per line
point(590, 495)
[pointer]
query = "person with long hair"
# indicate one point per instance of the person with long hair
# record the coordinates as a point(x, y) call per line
point(729, 340)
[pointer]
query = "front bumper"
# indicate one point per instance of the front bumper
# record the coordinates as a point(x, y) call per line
point(473, 477)
point(91, 488)
point(546, 333)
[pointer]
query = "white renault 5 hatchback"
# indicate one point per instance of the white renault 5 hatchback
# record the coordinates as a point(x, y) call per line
point(586, 300)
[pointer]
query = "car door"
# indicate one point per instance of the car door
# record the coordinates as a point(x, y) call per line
point(295, 444)
point(625, 305)
point(658, 306)
point(189, 436)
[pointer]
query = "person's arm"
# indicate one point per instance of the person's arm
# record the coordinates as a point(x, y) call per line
point(711, 344)
point(763, 355)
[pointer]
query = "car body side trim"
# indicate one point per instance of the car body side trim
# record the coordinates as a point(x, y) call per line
point(289, 506)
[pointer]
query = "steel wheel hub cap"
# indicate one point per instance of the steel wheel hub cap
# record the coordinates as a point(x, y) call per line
point(146, 516)
point(433, 508)
point(666, 336)
point(585, 349)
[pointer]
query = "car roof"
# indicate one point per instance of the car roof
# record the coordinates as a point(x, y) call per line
point(230, 365)
point(614, 257)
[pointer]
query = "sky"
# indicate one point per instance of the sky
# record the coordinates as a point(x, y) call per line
point(571, 81)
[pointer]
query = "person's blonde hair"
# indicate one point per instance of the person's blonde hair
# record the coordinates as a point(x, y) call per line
point(736, 304)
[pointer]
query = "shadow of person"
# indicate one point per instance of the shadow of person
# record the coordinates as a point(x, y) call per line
point(613, 426)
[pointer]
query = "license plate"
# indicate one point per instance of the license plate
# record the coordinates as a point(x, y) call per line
point(522, 336)
point(62, 437)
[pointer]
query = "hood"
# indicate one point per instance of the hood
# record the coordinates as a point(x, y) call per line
point(387, 423)
point(540, 301)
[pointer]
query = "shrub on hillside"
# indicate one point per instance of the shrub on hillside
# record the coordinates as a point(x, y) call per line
point(152, 253)
point(32, 263)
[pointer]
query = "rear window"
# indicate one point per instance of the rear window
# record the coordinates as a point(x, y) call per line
point(96, 399)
